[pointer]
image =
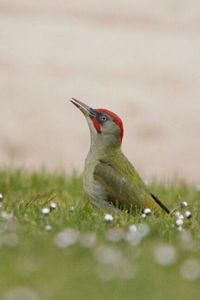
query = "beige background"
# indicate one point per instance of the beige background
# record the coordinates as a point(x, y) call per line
point(139, 58)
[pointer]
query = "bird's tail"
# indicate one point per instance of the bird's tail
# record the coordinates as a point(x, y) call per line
point(160, 203)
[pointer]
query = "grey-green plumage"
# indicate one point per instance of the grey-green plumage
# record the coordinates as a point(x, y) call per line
point(124, 188)
point(110, 180)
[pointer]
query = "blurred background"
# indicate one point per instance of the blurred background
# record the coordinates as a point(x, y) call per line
point(138, 58)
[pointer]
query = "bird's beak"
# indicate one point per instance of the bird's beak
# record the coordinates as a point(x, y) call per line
point(85, 109)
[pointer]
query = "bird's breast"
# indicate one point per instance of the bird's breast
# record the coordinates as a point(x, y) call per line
point(93, 189)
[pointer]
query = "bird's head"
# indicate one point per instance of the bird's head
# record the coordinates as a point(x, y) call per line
point(105, 126)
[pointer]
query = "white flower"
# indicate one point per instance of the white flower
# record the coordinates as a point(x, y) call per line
point(45, 211)
point(108, 218)
point(165, 255)
point(66, 238)
point(190, 269)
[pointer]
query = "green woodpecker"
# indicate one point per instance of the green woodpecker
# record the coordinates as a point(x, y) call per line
point(109, 179)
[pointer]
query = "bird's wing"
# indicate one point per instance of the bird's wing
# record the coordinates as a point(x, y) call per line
point(120, 191)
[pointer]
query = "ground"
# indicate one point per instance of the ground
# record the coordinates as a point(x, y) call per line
point(71, 252)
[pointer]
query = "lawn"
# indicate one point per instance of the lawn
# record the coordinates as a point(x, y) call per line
point(55, 245)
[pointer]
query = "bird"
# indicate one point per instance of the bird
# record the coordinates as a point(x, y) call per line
point(110, 181)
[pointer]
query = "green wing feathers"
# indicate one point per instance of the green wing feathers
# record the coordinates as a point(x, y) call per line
point(126, 191)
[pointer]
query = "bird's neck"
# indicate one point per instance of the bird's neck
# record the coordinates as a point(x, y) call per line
point(104, 148)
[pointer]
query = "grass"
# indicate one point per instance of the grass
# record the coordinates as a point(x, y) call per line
point(77, 259)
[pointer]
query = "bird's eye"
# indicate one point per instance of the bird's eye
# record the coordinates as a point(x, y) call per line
point(103, 118)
